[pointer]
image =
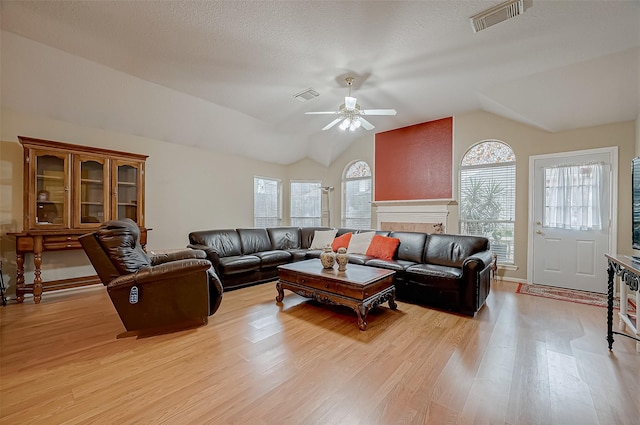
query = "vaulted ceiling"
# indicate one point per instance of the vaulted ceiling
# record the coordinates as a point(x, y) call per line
point(560, 65)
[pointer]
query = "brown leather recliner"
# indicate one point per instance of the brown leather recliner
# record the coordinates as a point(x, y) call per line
point(175, 290)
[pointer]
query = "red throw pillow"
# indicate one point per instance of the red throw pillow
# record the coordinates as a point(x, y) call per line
point(383, 247)
point(341, 242)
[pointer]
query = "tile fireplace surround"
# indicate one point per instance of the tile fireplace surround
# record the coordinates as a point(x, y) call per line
point(418, 216)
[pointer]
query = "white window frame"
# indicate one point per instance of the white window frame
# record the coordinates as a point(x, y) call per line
point(308, 220)
point(345, 199)
point(262, 219)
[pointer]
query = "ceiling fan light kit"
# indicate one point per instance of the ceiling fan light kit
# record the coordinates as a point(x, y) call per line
point(350, 113)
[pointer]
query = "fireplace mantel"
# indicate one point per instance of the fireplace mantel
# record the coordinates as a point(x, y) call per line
point(405, 215)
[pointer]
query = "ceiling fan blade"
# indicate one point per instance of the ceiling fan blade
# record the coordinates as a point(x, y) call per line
point(332, 123)
point(366, 124)
point(322, 113)
point(378, 112)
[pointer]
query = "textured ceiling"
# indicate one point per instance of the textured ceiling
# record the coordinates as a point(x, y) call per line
point(561, 65)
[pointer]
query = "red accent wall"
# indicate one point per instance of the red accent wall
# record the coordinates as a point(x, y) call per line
point(414, 162)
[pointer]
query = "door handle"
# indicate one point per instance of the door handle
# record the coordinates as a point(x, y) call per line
point(538, 223)
point(539, 232)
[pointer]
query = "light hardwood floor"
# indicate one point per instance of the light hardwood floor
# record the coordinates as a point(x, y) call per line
point(522, 360)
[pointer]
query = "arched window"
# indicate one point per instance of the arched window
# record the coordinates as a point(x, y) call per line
point(356, 196)
point(488, 196)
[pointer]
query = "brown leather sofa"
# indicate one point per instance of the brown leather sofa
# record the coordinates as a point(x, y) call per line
point(152, 292)
point(452, 272)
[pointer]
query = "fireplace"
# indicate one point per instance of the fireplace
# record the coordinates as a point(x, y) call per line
point(433, 216)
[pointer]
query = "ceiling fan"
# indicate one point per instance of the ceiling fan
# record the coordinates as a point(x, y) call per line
point(351, 115)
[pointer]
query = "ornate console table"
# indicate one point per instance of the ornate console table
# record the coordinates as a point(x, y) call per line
point(629, 272)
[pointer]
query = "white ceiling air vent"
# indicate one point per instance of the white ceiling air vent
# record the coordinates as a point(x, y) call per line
point(307, 94)
point(497, 14)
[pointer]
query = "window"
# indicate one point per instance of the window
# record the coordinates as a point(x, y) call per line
point(488, 196)
point(267, 201)
point(306, 203)
point(356, 196)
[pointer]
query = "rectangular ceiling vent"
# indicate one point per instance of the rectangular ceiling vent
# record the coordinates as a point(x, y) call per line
point(307, 94)
point(497, 14)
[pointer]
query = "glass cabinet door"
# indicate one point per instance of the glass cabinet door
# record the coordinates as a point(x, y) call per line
point(128, 191)
point(91, 191)
point(49, 205)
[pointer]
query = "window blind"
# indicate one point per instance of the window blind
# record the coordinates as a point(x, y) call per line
point(267, 202)
point(306, 203)
point(487, 205)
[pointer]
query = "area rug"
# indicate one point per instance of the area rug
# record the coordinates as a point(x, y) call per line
point(570, 295)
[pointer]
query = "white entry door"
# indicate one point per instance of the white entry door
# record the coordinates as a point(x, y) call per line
point(567, 237)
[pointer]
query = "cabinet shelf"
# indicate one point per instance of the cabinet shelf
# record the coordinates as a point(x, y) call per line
point(49, 177)
point(91, 181)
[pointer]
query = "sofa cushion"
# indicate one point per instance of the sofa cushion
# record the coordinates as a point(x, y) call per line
point(452, 250)
point(360, 242)
point(432, 270)
point(121, 240)
point(397, 265)
point(322, 238)
point(344, 231)
point(226, 242)
point(359, 259)
point(341, 242)
point(254, 240)
point(284, 237)
point(273, 258)
point(314, 253)
point(383, 247)
point(298, 254)
point(239, 264)
point(411, 246)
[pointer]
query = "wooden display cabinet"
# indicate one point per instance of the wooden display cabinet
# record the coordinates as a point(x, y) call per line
point(69, 190)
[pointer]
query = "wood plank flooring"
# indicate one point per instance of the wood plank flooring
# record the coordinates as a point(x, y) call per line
point(521, 360)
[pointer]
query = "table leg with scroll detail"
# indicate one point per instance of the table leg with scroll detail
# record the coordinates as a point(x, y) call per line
point(37, 271)
point(19, 276)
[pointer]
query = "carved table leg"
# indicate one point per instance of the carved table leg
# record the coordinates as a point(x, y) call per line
point(37, 262)
point(280, 296)
point(362, 311)
point(20, 276)
point(392, 300)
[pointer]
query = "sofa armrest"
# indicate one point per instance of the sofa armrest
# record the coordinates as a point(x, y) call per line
point(177, 270)
point(476, 276)
point(183, 254)
point(485, 258)
point(211, 253)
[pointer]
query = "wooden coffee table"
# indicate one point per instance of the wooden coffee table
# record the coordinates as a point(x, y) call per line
point(359, 287)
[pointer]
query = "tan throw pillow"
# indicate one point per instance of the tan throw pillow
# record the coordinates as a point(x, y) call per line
point(322, 238)
point(360, 242)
